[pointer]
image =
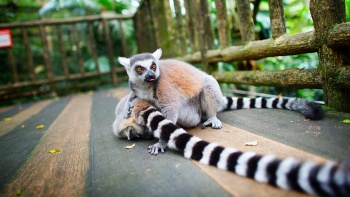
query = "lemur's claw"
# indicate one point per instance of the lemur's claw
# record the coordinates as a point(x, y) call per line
point(214, 122)
point(154, 149)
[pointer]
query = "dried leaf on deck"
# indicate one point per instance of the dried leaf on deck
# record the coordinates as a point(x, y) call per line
point(7, 119)
point(54, 151)
point(129, 147)
point(40, 126)
point(346, 121)
point(23, 126)
point(251, 143)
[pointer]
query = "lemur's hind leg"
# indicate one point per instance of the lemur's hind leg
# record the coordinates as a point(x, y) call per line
point(211, 102)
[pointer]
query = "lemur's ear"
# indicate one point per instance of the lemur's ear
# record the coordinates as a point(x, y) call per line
point(157, 54)
point(124, 61)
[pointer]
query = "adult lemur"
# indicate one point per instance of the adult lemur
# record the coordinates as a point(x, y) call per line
point(328, 179)
point(185, 95)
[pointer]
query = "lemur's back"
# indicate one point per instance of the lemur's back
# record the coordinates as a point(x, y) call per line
point(178, 77)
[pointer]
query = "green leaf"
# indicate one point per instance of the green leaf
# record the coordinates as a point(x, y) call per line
point(19, 192)
point(54, 151)
point(346, 121)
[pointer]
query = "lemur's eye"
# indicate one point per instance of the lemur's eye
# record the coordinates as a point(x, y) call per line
point(153, 66)
point(139, 69)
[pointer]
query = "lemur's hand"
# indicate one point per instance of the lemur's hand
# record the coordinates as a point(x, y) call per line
point(129, 106)
point(154, 149)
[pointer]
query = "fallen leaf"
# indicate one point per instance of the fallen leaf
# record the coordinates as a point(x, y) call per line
point(40, 126)
point(252, 143)
point(129, 147)
point(19, 192)
point(54, 151)
point(7, 119)
point(22, 126)
point(346, 121)
point(91, 92)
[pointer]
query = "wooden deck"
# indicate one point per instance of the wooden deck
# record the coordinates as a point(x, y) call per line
point(92, 162)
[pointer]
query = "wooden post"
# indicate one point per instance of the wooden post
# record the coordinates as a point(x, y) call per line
point(109, 49)
point(93, 46)
point(13, 65)
point(122, 37)
point(62, 51)
point(206, 37)
point(79, 53)
point(326, 14)
point(48, 61)
point(223, 25)
point(191, 25)
point(278, 22)
point(180, 29)
point(29, 54)
point(246, 23)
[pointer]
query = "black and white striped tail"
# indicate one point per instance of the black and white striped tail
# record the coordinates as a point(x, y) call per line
point(329, 179)
point(309, 109)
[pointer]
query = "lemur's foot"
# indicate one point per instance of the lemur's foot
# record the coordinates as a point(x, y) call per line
point(214, 122)
point(154, 149)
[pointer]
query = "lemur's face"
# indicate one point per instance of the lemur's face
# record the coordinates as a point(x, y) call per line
point(145, 70)
point(142, 67)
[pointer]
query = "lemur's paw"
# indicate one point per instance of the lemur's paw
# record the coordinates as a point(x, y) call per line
point(154, 149)
point(214, 122)
point(128, 110)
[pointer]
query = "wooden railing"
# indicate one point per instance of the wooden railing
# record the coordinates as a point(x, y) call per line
point(61, 37)
point(156, 28)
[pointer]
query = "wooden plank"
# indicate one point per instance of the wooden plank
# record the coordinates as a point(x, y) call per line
point(78, 50)
point(62, 173)
point(278, 22)
point(7, 126)
point(13, 65)
point(17, 145)
point(62, 51)
point(28, 54)
point(237, 185)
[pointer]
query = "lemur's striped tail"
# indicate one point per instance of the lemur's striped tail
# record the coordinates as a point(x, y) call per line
point(310, 109)
point(329, 179)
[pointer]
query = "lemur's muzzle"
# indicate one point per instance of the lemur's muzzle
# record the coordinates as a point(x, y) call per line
point(150, 77)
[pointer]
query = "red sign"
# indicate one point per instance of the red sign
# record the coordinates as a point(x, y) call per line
point(5, 38)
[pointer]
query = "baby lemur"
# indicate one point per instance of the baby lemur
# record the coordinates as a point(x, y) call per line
point(328, 179)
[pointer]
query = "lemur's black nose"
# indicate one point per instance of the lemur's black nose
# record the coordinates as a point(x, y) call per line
point(150, 76)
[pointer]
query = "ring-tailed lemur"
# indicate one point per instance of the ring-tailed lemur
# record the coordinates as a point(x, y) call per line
point(328, 179)
point(186, 95)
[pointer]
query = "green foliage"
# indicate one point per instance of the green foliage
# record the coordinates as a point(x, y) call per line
point(76, 7)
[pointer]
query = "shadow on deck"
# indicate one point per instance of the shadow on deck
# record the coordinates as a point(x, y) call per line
point(92, 162)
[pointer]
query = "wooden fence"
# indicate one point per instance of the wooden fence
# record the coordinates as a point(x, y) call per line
point(64, 39)
point(157, 27)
